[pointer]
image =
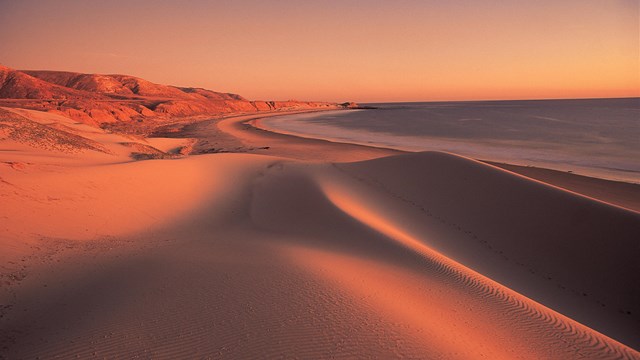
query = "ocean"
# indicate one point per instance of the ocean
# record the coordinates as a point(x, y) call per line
point(594, 137)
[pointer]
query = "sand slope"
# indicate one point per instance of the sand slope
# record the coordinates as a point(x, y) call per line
point(244, 256)
point(575, 254)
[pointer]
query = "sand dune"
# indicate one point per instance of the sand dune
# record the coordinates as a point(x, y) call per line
point(245, 256)
point(547, 244)
point(426, 255)
point(534, 229)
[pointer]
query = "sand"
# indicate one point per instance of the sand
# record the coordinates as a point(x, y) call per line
point(303, 248)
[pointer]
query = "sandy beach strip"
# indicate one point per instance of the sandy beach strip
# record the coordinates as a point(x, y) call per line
point(618, 193)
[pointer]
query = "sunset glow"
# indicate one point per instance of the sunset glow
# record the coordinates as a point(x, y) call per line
point(339, 50)
point(220, 179)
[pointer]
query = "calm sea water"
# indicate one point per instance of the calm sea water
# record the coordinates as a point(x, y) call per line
point(597, 137)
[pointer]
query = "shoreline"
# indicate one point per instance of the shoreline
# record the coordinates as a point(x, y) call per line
point(612, 192)
point(597, 173)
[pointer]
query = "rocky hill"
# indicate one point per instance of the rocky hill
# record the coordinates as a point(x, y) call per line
point(102, 99)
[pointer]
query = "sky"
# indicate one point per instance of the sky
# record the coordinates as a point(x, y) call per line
point(347, 50)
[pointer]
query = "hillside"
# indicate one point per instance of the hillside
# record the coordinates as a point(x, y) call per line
point(99, 99)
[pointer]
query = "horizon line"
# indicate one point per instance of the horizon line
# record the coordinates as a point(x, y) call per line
point(486, 100)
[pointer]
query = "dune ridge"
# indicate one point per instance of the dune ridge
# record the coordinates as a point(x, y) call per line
point(362, 268)
point(492, 250)
point(587, 342)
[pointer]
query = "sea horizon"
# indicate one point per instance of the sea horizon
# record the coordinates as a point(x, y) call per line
point(496, 100)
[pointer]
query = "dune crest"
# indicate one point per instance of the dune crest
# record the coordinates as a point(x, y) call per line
point(337, 252)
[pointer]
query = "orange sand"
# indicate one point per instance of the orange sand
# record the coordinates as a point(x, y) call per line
point(424, 255)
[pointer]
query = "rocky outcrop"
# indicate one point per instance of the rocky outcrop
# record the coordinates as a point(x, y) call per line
point(98, 99)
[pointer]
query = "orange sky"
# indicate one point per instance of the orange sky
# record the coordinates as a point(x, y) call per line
point(378, 50)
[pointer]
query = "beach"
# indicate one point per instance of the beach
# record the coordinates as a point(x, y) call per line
point(267, 245)
point(591, 137)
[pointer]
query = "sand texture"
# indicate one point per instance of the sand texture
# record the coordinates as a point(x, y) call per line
point(299, 248)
